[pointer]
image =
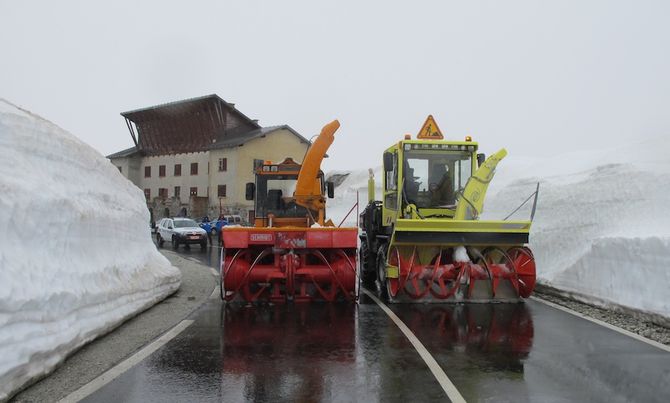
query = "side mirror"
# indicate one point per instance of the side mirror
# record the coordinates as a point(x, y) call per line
point(250, 191)
point(480, 159)
point(330, 189)
point(388, 162)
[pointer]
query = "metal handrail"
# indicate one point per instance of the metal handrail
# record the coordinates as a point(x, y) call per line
point(532, 214)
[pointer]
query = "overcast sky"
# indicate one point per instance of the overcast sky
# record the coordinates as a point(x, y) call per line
point(536, 77)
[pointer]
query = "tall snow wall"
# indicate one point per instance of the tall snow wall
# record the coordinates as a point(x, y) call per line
point(76, 255)
point(601, 230)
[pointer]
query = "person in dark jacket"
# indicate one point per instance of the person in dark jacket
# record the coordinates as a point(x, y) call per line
point(441, 189)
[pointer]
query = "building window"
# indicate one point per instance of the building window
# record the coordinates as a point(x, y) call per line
point(222, 191)
point(223, 164)
point(194, 168)
point(147, 193)
point(177, 169)
point(161, 171)
point(194, 191)
point(120, 169)
point(177, 191)
point(147, 172)
point(162, 192)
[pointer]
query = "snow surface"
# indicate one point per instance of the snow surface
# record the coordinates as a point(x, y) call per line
point(461, 254)
point(346, 193)
point(601, 229)
point(76, 255)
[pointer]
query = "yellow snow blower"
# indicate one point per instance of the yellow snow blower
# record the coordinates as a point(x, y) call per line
point(424, 241)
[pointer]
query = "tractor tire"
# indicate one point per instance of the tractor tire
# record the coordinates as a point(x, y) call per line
point(368, 266)
point(222, 289)
point(175, 243)
point(382, 289)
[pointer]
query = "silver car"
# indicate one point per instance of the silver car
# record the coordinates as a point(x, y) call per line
point(180, 231)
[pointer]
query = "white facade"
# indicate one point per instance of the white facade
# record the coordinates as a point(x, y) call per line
point(185, 180)
point(275, 146)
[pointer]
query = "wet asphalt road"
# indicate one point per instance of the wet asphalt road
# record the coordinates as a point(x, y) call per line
point(344, 352)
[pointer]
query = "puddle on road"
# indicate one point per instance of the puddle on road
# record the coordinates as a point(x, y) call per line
point(209, 257)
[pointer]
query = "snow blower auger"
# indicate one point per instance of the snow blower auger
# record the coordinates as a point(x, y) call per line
point(292, 252)
point(424, 242)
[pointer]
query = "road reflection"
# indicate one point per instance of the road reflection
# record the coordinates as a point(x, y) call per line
point(498, 337)
point(323, 352)
point(344, 352)
point(287, 351)
point(209, 256)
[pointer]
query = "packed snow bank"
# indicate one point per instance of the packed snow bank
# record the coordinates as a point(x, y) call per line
point(602, 233)
point(76, 255)
point(601, 228)
point(354, 184)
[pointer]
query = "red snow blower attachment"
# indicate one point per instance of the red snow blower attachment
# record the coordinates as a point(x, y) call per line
point(293, 252)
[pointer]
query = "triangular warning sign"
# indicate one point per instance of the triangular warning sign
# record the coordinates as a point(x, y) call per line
point(430, 130)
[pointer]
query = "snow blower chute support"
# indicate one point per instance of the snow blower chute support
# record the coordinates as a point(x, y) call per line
point(424, 241)
point(293, 252)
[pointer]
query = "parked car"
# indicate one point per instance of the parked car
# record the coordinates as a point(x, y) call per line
point(180, 231)
point(210, 226)
point(234, 219)
point(214, 227)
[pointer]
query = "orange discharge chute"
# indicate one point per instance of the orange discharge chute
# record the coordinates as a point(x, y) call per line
point(308, 191)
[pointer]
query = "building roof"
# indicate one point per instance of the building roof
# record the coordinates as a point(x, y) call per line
point(124, 153)
point(237, 140)
point(227, 141)
point(192, 125)
point(183, 126)
point(176, 108)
